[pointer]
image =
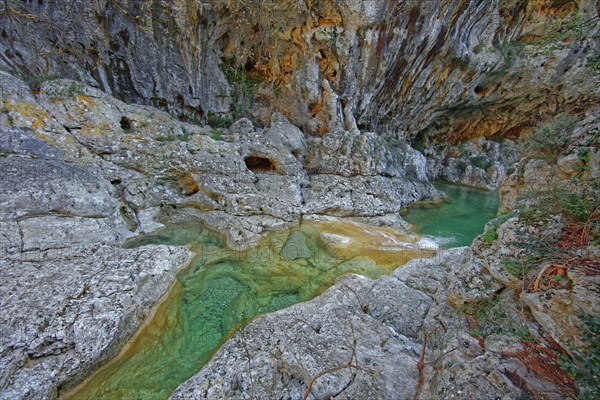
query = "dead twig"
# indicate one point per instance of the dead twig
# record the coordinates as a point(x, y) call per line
point(420, 366)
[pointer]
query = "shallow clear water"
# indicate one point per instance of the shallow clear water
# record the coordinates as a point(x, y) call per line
point(458, 219)
point(222, 289)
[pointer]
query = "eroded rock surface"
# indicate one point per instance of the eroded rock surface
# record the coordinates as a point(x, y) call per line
point(360, 339)
point(480, 163)
point(243, 181)
point(70, 294)
point(455, 69)
point(82, 172)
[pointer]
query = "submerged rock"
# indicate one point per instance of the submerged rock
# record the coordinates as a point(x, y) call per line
point(360, 339)
point(83, 172)
point(296, 247)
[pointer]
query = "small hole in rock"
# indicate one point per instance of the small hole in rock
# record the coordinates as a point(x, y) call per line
point(481, 91)
point(125, 123)
point(255, 163)
point(249, 66)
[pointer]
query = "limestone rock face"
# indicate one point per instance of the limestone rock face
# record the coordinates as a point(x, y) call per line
point(456, 69)
point(576, 169)
point(82, 172)
point(360, 339)
point(479, 163)
point(243, 181)
point(70, 295)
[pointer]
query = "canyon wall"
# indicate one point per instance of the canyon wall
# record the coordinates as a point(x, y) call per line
point(455, 69)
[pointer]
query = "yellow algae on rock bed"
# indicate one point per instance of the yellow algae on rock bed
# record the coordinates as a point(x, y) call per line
point(386, 246)
point(222, 289)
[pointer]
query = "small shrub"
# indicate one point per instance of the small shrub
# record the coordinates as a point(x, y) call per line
point(497, 316)
point(584, 157)
point(511, 49)
point(243, 84)
point(476, 333)
point(520, 268)
point(490, 233)
point(481, 161)
point(549, 139)
point(216, 134)
point(489, 236)
point(593, 63)
point(41, 78)
point(585, 366)
point(477, 49)
point(573, 206)
point(218, 121)
point(530, 215)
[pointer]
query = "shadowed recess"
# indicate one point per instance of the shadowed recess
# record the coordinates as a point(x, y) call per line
point(255, 163)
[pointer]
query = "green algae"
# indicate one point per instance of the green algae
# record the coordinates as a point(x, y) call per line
point(458, 219)
point(223, 289)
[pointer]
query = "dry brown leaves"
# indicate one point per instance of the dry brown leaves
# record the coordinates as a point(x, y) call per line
point(541, 358)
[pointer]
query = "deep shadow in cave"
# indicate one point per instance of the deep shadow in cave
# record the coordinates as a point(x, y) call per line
point(259, 164)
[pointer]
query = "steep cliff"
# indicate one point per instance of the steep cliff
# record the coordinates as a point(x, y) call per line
point(455, 69)
point(278, 111)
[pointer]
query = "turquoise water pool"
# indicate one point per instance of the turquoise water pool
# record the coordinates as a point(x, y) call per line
point(458, 218)
point(222, 289)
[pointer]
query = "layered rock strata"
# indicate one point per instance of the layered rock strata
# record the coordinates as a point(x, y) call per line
point(455, 69)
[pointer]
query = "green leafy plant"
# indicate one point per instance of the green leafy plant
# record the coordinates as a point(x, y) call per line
point(41, 78)
point(585, 365)
point(481, 161)
point(216, 134)
point(477, 49)
point(490, 234)
point(520, 268)
point(549, 139)
point(593, 63)
point(573, 206)
point(511, 49)
point(496, 315)
point(218, 121)
point(475, 333)
point(584, 157)
point(243, 84)
point(529, 215)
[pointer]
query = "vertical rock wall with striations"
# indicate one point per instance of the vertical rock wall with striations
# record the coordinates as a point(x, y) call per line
point(456, 69)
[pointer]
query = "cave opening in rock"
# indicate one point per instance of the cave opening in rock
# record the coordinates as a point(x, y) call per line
point(259, 164)
point(481, 90)
point(125, 123)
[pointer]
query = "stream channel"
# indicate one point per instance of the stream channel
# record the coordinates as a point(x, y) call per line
point(223, 289)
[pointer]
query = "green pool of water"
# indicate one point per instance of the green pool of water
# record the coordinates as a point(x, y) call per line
point(223, 288)
point(458, 219)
